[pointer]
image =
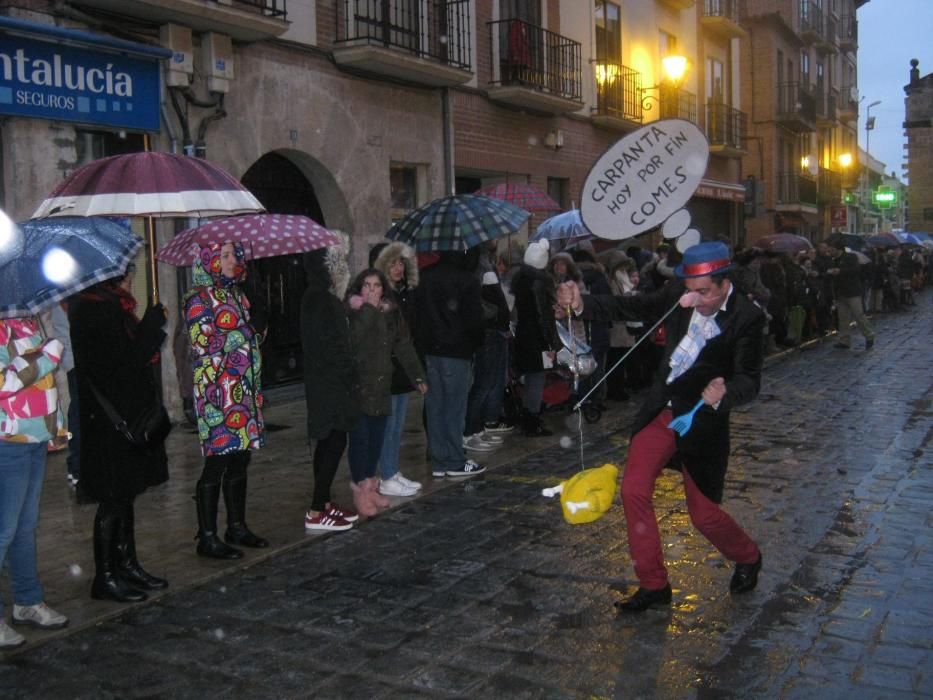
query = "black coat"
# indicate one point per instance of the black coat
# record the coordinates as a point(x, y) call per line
point(735, 354)
point(331, 382)
point(449, 310)
point(535, 331)
point(114, 351)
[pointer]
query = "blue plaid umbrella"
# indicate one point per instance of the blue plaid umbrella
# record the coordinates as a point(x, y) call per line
point(457, 222)
point(44, 261)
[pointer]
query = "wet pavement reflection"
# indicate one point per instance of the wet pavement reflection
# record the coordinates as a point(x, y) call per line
point(479, 588)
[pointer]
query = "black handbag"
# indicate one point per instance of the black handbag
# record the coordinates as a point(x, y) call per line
point(148, 429)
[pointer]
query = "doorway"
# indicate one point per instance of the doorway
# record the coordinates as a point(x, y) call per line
point(275, 285)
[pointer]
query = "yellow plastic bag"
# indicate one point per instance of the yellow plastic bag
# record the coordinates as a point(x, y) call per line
point(587, 495)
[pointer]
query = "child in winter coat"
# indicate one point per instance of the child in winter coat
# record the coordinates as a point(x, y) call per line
point(377, 332)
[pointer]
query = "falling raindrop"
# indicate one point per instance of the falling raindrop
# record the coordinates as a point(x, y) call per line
point(223, 589)
point(566, 442)
point(640, 528)
point(442, 38)
point(219, 634)
point(532, 140)
point(75, 570)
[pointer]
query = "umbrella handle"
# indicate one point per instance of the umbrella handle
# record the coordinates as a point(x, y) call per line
point(153, 267)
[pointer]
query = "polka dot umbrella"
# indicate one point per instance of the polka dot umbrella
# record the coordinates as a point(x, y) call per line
point(262, 236)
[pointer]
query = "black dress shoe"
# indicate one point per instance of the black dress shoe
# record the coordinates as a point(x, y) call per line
point(645, 598)
point(745, 577)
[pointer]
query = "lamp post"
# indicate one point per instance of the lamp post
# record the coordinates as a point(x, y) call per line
point(675, 70)
point(866, 189)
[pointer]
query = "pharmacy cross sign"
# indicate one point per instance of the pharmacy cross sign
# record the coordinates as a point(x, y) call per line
point(884, 197)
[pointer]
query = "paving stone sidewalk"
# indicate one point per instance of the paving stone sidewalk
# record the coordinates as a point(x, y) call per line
point(481, 590)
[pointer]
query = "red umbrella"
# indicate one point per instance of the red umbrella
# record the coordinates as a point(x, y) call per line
point(527, 197)
point(149, 184)
point(264, 236)
point(784, 243)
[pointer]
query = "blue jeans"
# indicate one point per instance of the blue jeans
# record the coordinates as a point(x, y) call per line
point(22, 469)
point(388, 458)
point(445, 404)
point(365, 447)
point(484, 403)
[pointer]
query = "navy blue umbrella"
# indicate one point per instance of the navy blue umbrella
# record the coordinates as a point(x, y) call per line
point(43, 261)
point(566, 226)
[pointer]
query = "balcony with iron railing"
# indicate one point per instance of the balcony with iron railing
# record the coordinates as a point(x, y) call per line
point(534, 68)
point(795, 107)
point(796, 189)
point(810, 19)
point(828, 187)
point(722, 17)
point(422, 42)
point(725, 129)
point(618, 96)
point(829, 42)
point(244, 20)
point(848, 33)
point(825, 108)
point(673, 103)
point(847, 104)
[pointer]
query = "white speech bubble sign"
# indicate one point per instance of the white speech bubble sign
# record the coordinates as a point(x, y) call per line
point(644, 178)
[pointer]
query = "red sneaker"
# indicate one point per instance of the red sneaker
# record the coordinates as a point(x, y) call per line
point(325, 521)
point(348, 514)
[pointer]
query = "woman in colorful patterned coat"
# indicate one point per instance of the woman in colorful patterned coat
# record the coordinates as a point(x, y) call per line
point(29, 418)
point(227, 398)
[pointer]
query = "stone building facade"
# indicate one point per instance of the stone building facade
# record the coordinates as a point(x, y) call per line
point(918, 125)
point(356, 111)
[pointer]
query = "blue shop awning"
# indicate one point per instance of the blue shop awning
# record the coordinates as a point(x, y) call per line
point(79, 37)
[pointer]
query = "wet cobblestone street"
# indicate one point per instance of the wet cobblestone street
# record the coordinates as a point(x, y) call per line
point(480, 589)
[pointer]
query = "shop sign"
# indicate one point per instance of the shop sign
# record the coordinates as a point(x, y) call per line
point(51, 80)
point(838, 216)
point(735, 193)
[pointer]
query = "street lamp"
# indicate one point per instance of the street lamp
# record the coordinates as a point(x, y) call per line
point(675, 69)
point(869, 126)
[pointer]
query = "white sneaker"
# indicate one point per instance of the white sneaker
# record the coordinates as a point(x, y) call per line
point(394, 487)
point(39, 615)
point(477, 444)
point(9, 637)
point(416, 485)
point(491, 438)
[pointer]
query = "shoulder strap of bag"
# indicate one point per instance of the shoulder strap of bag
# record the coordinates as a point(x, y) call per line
point(109, 409)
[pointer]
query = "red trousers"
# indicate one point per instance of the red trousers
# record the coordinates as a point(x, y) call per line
point(651, 449)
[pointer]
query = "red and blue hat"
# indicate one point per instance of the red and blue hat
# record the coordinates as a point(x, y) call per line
point(704, 259)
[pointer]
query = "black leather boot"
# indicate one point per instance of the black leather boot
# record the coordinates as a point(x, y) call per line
point(209, 544)
point(127, 562)
point(108, 583)
point(533, 427)
point(235, 501)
